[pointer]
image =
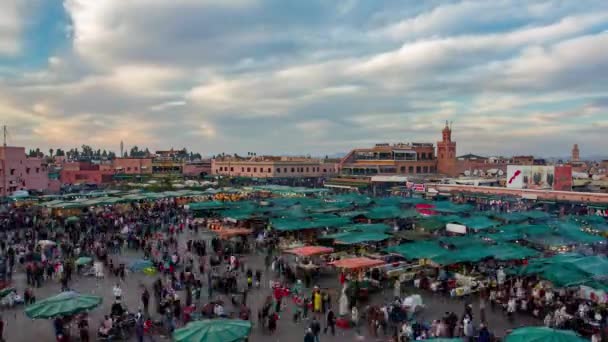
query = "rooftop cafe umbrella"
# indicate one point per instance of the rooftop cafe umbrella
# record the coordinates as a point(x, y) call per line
point(72, 219)
point(544, 334)
point(140, 265)
point(83, 261)
point(63, 304)
point(213, 330)
point(310, 250)
point(45, 243)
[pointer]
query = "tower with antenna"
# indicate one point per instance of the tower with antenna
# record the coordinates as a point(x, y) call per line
point(4, 134)
point(122, 147)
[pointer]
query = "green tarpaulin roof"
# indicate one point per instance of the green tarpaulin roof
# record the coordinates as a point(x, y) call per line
point(353, 198)
point(390, 212)
point(449, 207)
point(568, 269)
point(430, 224)
point(374, 227)
point(536, 214)
point(353, 213)
point(210, 205)
point(293, 225)
point(351, 238)
point(510, 217)
point(419, 250)
point(477, 222)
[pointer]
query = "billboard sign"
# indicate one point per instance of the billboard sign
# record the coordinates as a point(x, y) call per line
point(539, 177)
point(563, 178)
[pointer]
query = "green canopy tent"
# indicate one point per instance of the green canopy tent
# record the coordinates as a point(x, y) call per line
point(391, 212)
point(536, 215)
point(451, 208)
point(477, 222)
point(209, 205)
point(514, 217)
point(419, 250)
point(543, 334)
point(63, 304)
point(356, 199)
point(351, 238)
point(367, 228)
point(294, 225)
point(213, 330)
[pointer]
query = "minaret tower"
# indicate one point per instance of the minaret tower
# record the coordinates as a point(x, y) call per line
point(446, 153)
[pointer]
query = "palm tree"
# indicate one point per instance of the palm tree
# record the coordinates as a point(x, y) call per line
point(51, 152)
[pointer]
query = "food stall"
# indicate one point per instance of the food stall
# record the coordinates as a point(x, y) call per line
point(356, 267)
point(309, 264)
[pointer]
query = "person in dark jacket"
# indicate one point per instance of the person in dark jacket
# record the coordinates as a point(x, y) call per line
point(331, 322)
point(315, 327)
point(484, 334)
point(309, 337)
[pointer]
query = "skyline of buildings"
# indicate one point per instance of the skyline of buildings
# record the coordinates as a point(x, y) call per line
point(18, 171)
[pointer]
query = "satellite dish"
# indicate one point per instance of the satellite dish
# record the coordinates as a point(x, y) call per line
point(500, 172)
point(475, 172)
point(467, 173)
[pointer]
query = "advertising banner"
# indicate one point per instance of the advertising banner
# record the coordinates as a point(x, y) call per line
point(540, 177)
point(563, 178)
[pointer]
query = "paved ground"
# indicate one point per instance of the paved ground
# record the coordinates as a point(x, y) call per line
point(21, 328)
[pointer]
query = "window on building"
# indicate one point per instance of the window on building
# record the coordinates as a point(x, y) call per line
point(285, 170)
point(255, 169)
point(221, 169)
point(293, 170)
point(324, 170)
point(410, 169)
point(135, 168)
point(418, 169)
point(306, 169)
point(128, 169)
point(269, 170)
point(231, 169)
point(403, 169)
point(27, 170)
point(425, 169)
point(278, 170)
point(248, 169)
point(441, 156)
point(242, 169)
point(12, 172)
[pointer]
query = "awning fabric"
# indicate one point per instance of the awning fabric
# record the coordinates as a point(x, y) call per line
point(310, 250)
point(357, 263)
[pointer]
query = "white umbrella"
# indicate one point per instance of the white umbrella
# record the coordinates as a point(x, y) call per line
point(47, 243)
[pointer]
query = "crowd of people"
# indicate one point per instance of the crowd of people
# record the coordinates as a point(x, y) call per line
point(45, 248)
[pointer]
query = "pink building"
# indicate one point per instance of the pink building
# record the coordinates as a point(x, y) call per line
point(18, 172)
point(86, 173)
point(197, 169)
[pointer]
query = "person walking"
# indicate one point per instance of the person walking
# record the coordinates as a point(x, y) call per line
point(315, 326)
point(330, 322)
point(145, 301)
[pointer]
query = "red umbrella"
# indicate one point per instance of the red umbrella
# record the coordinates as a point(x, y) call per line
point(427, 212)
point(424, 206)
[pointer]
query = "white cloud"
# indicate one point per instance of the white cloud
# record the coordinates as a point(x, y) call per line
point(11, 27)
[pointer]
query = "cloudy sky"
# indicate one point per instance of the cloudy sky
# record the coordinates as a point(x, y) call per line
point(314, 76)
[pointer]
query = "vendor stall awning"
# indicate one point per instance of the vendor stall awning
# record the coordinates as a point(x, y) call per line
point(357, 263)
point(310, 250)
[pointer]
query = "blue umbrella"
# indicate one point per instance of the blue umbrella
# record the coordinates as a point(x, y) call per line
point(139, 265)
